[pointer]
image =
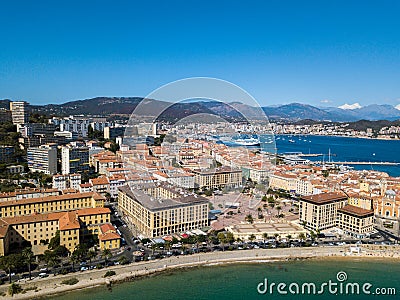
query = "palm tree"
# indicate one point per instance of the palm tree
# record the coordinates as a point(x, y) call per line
point(265, 236)
point(167, 245)
point(278, 208)
point(276, 235)
point(73, 259)
point(90, 255)
point(106, 254)
point(252, 237)
point(302, 236)
point(28, 255)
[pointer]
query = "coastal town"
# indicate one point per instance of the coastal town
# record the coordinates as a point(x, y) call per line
point(79, 195)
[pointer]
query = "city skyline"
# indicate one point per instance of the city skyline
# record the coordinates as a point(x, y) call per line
point(323, 55)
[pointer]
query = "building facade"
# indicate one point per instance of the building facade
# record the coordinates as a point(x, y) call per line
point(218, 178)
point(74, 158)
point(355, 221)
point(43, 159)
point(158, 216)
point(19, 112)
point(318, 212)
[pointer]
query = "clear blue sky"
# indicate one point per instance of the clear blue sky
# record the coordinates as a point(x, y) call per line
point(279, 51)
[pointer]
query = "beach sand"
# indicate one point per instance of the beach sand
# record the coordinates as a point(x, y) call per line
point(52, 285)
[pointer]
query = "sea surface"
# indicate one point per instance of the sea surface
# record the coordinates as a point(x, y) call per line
point(240, 281)
point(345, 149)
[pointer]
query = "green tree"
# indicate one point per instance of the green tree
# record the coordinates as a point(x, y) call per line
point(123, 260)
point(252, 237)
point(106, 254)
point(229, 237)
point(208, 193)
point(28, 256)
point(90, 255)
point(7, 264)
point(80, 251)
point(279, 208)
point(302, 236)
point(265, 236)
point(153, 247)
point(14, 288)
point(50, 258)
point(222, 239)
point(73, 259)
point(249, 218)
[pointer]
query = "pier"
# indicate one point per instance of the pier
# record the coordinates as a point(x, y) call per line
point(311, 155)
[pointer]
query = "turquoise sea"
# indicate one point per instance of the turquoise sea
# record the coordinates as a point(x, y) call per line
point(240, 281)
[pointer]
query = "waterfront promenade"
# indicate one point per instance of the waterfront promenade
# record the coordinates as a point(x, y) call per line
point(53, 285)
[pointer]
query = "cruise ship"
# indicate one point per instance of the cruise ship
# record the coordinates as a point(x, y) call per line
point(247, 141)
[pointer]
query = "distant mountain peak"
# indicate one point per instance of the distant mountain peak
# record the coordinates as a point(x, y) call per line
point(397, 107)
point(351, 106)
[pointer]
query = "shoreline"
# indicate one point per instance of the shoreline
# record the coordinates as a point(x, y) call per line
point(52, 286)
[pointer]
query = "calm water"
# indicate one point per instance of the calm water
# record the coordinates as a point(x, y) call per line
point(345, 149)
point(240, 281)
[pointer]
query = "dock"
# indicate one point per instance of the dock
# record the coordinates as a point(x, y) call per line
point(310, 155)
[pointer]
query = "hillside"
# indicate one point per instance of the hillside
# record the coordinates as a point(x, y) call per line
point(288, 113)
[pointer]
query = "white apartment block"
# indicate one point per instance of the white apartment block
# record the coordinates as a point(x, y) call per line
point(74, 158)
point(80, 124)
point(43, 159)
point(62, 182)
point(19, 112)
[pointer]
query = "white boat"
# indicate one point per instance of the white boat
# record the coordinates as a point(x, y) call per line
point(291, 141)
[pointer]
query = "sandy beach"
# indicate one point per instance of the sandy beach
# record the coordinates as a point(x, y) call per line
point(52, 285)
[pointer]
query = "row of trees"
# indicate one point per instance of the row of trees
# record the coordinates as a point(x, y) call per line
point(17, 261)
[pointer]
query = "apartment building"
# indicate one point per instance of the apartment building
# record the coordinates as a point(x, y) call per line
point(218, 178)
point(46, 204)
point(43, 159)
point(80, 124)
point(100, 185)
point(319, 212)
point(74, 158)
point(28, 193)
point(19, 112)
point(157, 216)
point(355, 221)
point(283, 181)
point(36, 229)
point(15, 169)
point(63, 182)
point(108, 237)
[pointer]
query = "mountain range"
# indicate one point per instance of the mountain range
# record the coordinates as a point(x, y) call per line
point(288, 112)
